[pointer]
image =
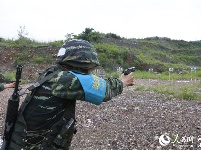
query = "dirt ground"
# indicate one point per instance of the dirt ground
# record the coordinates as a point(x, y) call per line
point(134, 120)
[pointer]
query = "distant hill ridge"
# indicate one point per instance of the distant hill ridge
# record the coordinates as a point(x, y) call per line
point(154, 52)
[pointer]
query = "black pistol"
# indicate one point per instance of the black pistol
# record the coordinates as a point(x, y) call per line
point(128, 70)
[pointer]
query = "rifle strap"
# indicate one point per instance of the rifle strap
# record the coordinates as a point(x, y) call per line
point(42, 80)
point(39, 82)
point(32, 88)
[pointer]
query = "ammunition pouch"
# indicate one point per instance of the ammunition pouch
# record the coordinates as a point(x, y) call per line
point(64, 137)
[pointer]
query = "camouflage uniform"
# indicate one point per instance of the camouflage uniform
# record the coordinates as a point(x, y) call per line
point(41, 123)
point(1, 87)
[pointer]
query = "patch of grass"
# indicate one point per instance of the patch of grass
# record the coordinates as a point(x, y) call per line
point(39, 60)
point(189, 92)
point(24, 57)
point(11, 76)
point(145, 75)
point(26, 42)
point(21, 58)
point(164, 89)
point(188, 75)
point(186, 92)
point(140, 88)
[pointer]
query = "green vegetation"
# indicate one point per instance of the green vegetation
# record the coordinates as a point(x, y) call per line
point(21, 58)
point(90, 35)
point(11, 76)
point(186, 92)
point(187, 75)
point(25, 56)
point(158, 53)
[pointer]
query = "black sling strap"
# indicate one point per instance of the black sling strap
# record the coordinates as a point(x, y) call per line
point(39, 82)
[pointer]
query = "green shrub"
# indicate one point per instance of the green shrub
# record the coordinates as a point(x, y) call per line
point(10, 75)
point(38, 60)
point(56, 43)
point(90, 35)
point(188, 92)
point(188, 95)
point(112, 35)
point(140, 88)
point(21, 58)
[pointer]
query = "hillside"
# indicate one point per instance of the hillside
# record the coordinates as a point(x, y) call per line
point(113, 51)
point(160, 53)
point(34, 60)
point(136, 119)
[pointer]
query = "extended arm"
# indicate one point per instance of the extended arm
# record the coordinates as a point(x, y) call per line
point(5, 86)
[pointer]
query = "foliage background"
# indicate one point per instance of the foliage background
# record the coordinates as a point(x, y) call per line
point(157, 53)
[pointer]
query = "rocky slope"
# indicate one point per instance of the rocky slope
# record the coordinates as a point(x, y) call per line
point(30, 70)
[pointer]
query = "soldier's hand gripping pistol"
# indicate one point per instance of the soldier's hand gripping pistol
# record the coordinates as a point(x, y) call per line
point(128, 70)
point(127, 78)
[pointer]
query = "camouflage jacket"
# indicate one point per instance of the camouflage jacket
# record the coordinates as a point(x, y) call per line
point(46, 109)
point(1, 87)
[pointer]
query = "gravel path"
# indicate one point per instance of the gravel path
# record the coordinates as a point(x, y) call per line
point(134, 120)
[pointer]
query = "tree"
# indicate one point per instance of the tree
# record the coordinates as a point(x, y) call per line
point(69, 36)
point(89, 35)
point(23, 40)
point(22, 33)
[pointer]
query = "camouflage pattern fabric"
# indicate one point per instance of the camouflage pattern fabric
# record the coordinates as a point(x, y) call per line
point(1, 87)
point(78, 53)
point(44, 115)
point(4, 80)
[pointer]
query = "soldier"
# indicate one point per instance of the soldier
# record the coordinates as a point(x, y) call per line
point(5, 86)
point(46, 118)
